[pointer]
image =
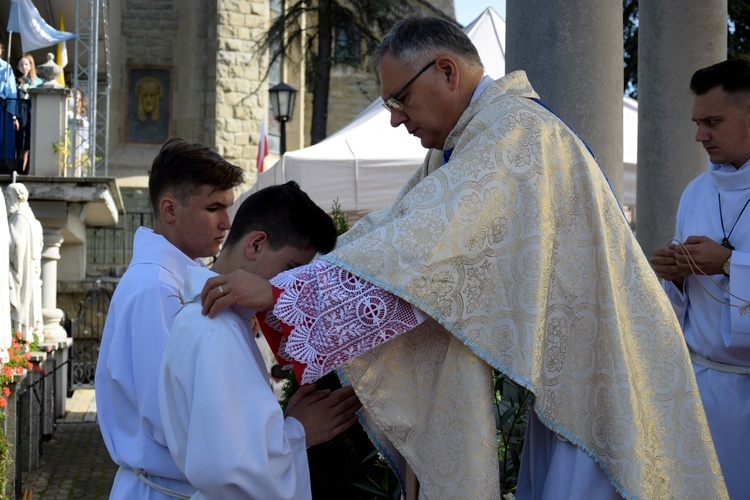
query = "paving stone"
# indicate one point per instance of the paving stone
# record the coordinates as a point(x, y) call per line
point(75, 462)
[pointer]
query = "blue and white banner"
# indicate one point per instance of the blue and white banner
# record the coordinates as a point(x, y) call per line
point(35, 33)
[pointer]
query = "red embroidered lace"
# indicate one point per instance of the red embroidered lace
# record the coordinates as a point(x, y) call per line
point(324, 316)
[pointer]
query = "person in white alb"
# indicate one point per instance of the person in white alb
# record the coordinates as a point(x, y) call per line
point(190, 188)
point(706, 268)
point(222, 422)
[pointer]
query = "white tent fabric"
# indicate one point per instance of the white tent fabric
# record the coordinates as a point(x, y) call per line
point(365, 164)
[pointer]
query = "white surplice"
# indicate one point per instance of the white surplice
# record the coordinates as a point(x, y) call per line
point(713, 330)
point(133, 343)
point(222, 422)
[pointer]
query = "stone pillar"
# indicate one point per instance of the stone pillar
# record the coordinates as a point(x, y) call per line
point(6, 329)
point(572, 54)
point(53, 330)
point(675, 38)
point(61, 358)
point(48, 125)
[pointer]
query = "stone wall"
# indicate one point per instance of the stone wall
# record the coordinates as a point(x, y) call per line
point(241, 94)
point(208, 46)
point(218, 96)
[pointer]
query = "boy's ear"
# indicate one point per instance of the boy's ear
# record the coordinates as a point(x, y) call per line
point(255, 243)
point(167, 209)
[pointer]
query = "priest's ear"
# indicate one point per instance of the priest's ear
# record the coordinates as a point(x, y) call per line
point(255, 242)
point(448, 67)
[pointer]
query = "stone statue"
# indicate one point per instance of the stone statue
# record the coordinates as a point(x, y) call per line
point(6, 331)
point(26, 241)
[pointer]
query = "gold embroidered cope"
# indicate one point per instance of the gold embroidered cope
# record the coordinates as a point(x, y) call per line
point(519, 252)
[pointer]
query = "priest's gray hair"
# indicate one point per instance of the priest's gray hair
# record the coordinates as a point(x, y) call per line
point(415, 40)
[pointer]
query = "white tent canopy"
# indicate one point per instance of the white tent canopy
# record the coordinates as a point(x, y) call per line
point(364, 164)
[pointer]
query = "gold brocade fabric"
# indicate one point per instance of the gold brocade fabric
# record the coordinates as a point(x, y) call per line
point(518, 248)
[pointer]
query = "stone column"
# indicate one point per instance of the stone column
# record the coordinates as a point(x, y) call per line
point(53, 330)
point(572, 54)
point(675, 38)
point(48, 125)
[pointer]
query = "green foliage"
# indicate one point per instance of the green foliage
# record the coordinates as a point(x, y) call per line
point(82, 165)
point(348, 466)
point(630, 46)
point(17, 364)
point(739, 28)
point(738, 37)
point(340, 220)
point(512, 404)
point(6, 464)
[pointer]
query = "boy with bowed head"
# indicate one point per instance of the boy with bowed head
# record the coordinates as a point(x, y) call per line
point(190, 189)
point(222, 422)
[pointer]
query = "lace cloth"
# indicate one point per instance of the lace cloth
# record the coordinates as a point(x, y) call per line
point(325, 316)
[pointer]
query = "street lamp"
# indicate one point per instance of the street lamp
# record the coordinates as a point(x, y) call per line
point(282, 107)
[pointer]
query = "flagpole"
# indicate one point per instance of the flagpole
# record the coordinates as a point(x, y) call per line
point(10, 45)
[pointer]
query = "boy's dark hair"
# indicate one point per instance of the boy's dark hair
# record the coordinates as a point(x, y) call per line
point(288, 217)
point(733, 75)
point(183, 168)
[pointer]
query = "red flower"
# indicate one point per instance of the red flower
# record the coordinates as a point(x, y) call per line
point(29, 366)
point(8, 371)
point(19, 370)
point(6, 391)
point(27, 355)
point(3, 403)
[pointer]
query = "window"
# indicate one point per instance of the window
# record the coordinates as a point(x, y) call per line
point(348, 45)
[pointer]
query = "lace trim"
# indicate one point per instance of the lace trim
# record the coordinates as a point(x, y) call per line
point(324, 316)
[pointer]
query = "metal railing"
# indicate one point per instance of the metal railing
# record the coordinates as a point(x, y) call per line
point(113, 246)
point(35, 397)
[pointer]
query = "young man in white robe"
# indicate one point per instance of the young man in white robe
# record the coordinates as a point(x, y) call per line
point(509, 239)
point(222, 422)
point(190, 189)
point(709, 289)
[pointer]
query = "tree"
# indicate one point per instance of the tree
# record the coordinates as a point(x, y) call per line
point(630, 46)
point(738, 37)
point(369, 18)
point(362, 22)
point(739, 28)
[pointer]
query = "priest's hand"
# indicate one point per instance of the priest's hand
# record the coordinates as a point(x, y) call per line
point(236, 288)
point(323, 414)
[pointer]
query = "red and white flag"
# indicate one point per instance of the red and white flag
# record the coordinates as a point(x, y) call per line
point(262, 146)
